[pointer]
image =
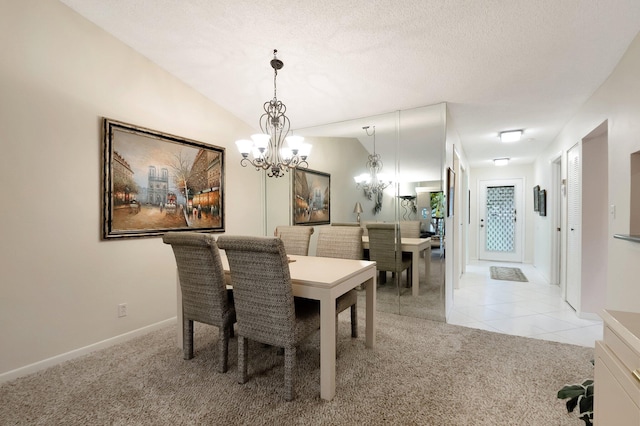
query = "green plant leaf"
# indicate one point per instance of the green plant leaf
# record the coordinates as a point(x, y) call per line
point(586, 404)
point(571, 391)
point(590, 389)
point(587, 419)
point(572, 403)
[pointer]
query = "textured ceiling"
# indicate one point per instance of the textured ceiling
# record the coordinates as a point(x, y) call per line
point(499, 64)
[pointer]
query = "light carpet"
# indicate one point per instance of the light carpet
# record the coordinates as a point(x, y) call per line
point(507, 274)
point(428, 304)
point(421, 372)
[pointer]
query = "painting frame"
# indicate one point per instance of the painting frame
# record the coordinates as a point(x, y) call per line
point(536, 198)
point(542, 202)
point(141, 198)
point(451, 185)
point(311, 197)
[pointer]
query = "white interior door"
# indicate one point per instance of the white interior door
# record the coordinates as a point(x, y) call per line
point(574, 221)
point(501, 231)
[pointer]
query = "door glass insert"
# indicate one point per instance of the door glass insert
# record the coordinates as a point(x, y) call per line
point(501, 219)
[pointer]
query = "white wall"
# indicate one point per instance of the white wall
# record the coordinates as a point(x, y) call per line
point(453, 234)
point(618, 102)
point(532, 221)
point(60, 283)
point(594, 225)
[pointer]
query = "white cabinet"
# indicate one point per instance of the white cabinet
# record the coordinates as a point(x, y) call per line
point(617, 371)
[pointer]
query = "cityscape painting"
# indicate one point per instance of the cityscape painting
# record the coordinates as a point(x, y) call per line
point(311, 197)
point(155, 182)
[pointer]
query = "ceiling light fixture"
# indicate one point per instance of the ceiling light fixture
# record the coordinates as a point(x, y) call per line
point(374, 182)
point(266, 151)
point(501, 161)
point(510, 136)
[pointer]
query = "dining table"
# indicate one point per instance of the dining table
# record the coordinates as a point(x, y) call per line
point(415, 246)
point(323, 279)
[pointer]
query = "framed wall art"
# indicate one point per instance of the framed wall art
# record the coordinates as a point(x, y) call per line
point(536, 198)
point(153, 182)
point(451, 185)
point(311, 197)
point(542, 202)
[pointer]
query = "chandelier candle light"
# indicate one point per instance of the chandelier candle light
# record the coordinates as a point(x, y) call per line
point(374, 182)
point(267, 151)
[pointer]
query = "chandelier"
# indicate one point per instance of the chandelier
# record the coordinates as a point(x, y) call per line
point(267, 151)
point(374, 182)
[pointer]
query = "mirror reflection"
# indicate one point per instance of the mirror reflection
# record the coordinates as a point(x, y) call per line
point(409, 149)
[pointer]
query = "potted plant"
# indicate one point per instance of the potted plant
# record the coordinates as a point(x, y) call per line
point(579, 395)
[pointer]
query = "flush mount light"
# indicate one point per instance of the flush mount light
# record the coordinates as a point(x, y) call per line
point(510, 136)
point(501, 161)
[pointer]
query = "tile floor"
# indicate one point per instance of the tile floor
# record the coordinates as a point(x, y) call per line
point(532, 309)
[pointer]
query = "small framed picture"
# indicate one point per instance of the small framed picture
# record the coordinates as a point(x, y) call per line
point(536, 198)
point(542, 202)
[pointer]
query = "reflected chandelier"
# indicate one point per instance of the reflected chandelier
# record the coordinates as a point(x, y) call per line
point(374, 182)
point(266, 151)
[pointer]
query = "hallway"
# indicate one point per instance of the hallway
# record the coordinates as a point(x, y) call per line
point(532, 309)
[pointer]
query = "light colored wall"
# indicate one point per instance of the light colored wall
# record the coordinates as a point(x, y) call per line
point(618, 102)
point(60, 283)
point(453, 224)
point(532, 221)
point(594, 225)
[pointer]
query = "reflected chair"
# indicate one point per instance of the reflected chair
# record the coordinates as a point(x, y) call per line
point(295, 238)
point(410, 229)
point(344, 242)
point(204, 293)
point(266, 309)
point(386, 250)
point(345, 224)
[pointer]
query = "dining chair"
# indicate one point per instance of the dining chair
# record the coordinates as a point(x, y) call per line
point(266, 309)
point(205, 297)
point(410, 228)
point(295, 238)
point(386, 250)
point(343, 242)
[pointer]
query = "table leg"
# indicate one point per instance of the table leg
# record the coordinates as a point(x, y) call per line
point(415, 271)
point(427, 264)
point(327, 348)
point(370, 288)
point(179, 311)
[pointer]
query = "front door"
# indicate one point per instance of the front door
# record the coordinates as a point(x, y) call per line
point(500, 233)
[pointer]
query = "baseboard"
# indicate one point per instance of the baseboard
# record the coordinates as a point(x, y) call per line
point(589, 316)
point(55, 360)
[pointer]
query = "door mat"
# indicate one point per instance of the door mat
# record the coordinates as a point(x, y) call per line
point(507, 274)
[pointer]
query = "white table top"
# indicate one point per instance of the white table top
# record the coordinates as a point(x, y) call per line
point(323, 272)
point(405, 242)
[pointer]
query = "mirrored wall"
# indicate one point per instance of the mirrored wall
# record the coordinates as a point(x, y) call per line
point(411, 146)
